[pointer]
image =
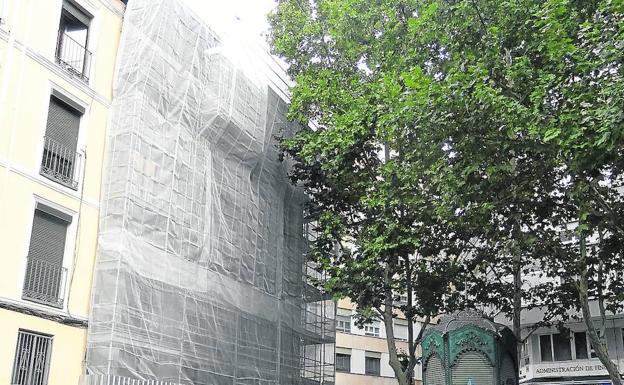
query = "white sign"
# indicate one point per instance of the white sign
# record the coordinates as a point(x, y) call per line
point(566, 368)
point(575, 369)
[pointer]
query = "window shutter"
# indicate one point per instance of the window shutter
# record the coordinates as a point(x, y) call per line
point(47, 240)
point(79, 13)
point(63, 124)
point(472, 366)
point(434, 374)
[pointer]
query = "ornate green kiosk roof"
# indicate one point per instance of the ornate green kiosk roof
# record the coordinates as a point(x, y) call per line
point(471, 317)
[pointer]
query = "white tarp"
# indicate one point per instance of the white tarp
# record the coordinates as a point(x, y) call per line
point(200, 274)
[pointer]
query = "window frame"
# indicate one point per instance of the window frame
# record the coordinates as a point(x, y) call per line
point(68, 221)
point(76, 11)
point(394, 330)
point(347, 358)
point(35, 336)
point(375, 328)
point(549, 336)
point(70, 242)
point(564, 340)
point(347, 325)
point(572, 340)
point(366, 366)
point(80, 108)
point(525, 356)
point(587, 346)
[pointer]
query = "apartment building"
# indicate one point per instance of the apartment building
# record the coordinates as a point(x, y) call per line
point(551, 355)
point(362, 352)
point(57, 61)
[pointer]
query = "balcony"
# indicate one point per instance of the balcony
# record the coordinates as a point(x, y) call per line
point(73, 56)
point(44, 282)
point(60, 163)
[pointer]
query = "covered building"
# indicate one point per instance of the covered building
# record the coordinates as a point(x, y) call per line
point(201, 270)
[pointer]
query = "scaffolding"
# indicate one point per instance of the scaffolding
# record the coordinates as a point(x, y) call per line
point(201, 276)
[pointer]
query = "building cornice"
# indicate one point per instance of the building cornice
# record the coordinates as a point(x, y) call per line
point(51, 315)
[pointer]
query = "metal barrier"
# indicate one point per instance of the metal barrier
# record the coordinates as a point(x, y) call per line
point(60, 163)
point(104, 379)
point(44, 282)
point(73, 56)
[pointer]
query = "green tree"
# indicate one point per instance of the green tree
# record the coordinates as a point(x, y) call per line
point(367, 193)
point(456, 141)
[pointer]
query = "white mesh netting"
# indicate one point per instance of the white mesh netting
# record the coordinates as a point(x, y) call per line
point(201, 272)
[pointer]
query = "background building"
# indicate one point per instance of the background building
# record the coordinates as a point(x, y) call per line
point(565, 356)
point(56, 70)
point(201, 270)
point(362, 353)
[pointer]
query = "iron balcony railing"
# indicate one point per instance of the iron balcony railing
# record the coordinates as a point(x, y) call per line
point(44, 282)
point(73, 56)
point(60, 163)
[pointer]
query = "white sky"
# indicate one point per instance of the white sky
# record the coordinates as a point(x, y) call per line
point(244, 18)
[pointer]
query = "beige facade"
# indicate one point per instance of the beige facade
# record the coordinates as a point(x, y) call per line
point(57, 60)
point(362, 353)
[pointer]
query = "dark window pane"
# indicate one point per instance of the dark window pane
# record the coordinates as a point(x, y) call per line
point(343, 362)
point(561, 344)
point(545, 348)
point(580, 344)
point(372, 365)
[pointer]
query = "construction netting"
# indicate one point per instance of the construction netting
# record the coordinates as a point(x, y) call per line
point(201, 275)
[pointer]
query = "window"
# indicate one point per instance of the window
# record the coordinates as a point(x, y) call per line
point(372, 329)
point(562, 347)
point(73, 36)
point(343, 362)
point(580, 345)
point(524, 353)
point(60, 161)
point(343, 324)
point(45, 275)
point(558, 347)
point(568, 236)
point(372, 365)
point(400, 331)
point(32, 359)
point(545, 348)
point(400, 299)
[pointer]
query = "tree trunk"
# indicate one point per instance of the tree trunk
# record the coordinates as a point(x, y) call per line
point(517, 305)
point(409, 373)
point(393, 360)
point(596, 341)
